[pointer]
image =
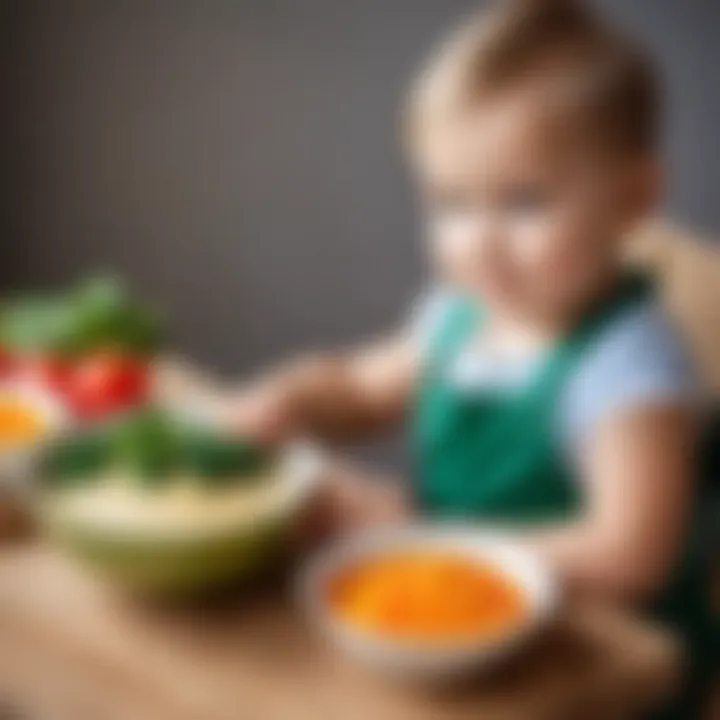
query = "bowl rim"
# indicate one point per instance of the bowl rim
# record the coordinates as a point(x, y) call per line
point(524, 566)
point(301, 471)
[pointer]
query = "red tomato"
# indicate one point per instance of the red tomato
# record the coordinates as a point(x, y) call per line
point(107, 382)
point(7, 363)
point(49, 371)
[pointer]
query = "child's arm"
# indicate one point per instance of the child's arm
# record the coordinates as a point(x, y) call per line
point(639, 486)
point(336, 397)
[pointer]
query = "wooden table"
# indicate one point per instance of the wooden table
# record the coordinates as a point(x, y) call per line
point(69, 650)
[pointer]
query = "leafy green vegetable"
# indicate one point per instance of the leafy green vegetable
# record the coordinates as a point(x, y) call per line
point(76, 460)
point(218, 460)
point(150, 447)
point(104, 315)
point(97, 314)
point(35, 323)
point(147, 444)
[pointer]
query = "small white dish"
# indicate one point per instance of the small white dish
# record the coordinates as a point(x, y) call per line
point(422, 662)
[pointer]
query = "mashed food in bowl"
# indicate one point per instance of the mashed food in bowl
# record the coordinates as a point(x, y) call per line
point(428, 596)
point(162, 509)
point(181, 507)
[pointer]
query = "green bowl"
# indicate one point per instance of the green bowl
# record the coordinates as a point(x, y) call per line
point(175, 565)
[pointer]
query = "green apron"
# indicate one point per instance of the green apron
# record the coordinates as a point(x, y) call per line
point(493, 454)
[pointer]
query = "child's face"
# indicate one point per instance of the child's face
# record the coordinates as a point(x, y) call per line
point(525, 209)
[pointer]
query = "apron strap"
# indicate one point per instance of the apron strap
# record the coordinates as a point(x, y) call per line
point(458, 321)
point(464, 315)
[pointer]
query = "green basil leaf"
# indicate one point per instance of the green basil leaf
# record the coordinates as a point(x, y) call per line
point(220, 460)
point(76, 460)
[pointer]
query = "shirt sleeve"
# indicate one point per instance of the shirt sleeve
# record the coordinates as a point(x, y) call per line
point(637, 361)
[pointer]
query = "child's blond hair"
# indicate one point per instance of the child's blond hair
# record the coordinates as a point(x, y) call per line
point(518, 41)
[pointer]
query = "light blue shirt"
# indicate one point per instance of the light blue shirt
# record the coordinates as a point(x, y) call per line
point(635, 360)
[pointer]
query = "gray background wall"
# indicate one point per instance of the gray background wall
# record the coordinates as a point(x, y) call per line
point(238, 162)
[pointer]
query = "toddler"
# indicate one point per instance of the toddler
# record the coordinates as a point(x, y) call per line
point(544, 386)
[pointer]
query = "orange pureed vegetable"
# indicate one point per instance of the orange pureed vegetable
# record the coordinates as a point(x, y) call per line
point(20, 422)
point(428, 596)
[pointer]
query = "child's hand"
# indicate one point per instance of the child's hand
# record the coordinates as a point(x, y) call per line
point(263, 412)
point(334, 397)
point(291, 400)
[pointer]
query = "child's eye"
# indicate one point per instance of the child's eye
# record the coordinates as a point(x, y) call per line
point(527, 200)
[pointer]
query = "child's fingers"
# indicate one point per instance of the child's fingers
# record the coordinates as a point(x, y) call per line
point(259, 414)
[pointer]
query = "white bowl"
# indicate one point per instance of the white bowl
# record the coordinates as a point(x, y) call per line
point(421, 662)
point(188, 557)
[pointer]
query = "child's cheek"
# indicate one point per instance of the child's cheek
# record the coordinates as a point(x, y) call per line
point(551, 260)
point(456, 248)
point(537, 252)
